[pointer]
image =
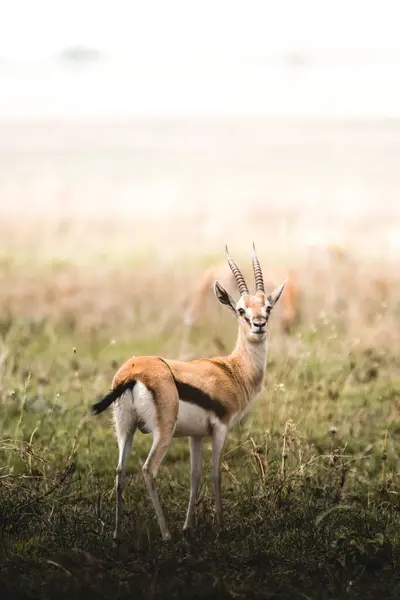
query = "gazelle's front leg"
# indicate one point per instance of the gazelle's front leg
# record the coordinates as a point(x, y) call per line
point(218, 440)
point(196, 450)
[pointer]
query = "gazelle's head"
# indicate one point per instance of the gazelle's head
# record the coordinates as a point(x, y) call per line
point(252, 311)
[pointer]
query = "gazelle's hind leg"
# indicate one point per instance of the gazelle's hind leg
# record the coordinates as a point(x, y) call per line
point(125, 427)
point(166, 403)
point(162, 438)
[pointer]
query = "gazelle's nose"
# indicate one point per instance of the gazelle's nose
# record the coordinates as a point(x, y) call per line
point(259, 322)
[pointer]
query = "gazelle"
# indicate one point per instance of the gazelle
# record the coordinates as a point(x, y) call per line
point(198, 398)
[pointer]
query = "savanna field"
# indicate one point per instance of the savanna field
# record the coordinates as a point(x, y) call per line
point(310, 476)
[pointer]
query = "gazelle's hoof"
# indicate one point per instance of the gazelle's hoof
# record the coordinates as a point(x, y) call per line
point(166, 536)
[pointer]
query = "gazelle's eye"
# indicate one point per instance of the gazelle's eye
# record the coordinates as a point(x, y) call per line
point(241, 311)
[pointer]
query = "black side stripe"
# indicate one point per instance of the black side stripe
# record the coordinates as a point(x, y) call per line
point(194, 395)
point(112, 396)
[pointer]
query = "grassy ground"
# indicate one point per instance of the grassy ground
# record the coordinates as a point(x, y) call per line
point(310, 478)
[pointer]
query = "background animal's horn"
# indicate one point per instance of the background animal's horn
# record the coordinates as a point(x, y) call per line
point(238, 275)
point(257, 272)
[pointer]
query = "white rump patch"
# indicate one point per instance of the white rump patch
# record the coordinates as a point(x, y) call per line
point(143, 405)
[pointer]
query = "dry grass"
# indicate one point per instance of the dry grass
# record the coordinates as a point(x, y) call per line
point(311, 478)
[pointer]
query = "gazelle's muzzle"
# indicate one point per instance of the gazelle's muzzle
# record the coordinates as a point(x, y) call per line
point(259, 325)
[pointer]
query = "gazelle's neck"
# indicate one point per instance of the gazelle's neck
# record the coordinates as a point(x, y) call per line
point(252, 356)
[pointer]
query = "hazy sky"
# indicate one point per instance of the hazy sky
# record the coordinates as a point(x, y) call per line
point(41, 28)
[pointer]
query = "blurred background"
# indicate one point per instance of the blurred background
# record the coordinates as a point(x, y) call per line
point(218, 122)
point(163, 130)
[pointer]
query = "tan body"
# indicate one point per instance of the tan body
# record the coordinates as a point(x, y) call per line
point(197, 398)
point(224, 379)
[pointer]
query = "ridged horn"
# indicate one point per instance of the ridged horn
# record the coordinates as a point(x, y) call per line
point(238, 275)
point(257, 272)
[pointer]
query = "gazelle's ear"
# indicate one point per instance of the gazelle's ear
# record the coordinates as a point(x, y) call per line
point(223, 296)
point(276, 294)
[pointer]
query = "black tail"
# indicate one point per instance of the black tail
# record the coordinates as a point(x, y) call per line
point(112, 396)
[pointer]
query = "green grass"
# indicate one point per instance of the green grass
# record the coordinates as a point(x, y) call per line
point(310, 478)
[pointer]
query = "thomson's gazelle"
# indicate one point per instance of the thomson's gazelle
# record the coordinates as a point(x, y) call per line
point(197, 398)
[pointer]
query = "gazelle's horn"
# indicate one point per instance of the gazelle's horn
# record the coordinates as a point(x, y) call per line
point(257, 272)
point(238, 275)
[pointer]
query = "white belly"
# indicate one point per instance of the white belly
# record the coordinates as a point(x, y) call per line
point(193, 420)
